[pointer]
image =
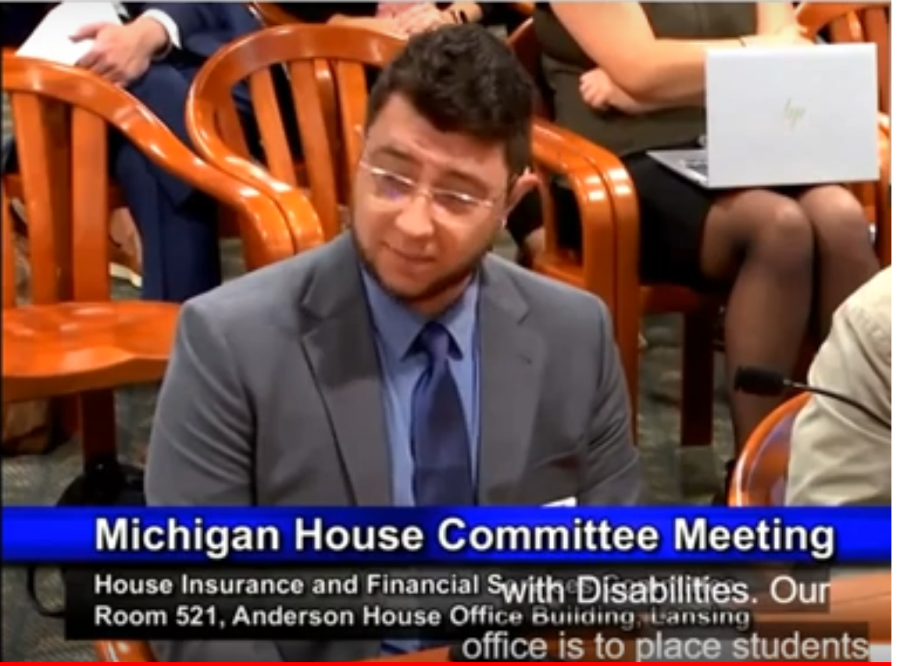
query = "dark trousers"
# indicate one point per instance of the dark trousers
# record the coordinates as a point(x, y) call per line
point(178, 225)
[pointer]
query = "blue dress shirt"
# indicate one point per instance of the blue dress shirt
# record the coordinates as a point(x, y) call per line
point(396, 328)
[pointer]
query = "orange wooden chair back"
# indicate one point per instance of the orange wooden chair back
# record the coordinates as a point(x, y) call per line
point(761, 472)
point(303, 50)
point(855, 22)
point(272, 15)
point(65, 202)
point(61, 119)
point(609, 260)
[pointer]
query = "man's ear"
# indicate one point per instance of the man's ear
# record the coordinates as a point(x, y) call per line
point(522, 186)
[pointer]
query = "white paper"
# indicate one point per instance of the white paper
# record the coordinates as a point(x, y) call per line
point(566, 502)
point(52, 39)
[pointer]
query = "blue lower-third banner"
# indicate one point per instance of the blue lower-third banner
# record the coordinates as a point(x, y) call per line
point(555, 535)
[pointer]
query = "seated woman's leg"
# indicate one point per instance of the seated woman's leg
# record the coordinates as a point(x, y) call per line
point(846, 259)
point(761, 243)
point(756, 246)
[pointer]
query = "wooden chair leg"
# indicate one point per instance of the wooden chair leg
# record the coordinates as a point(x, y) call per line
point(97, 410)
point(697, 377)
point(66, 419)
point(91, 416)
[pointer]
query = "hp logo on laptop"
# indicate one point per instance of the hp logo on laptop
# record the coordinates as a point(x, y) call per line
point(793, 114)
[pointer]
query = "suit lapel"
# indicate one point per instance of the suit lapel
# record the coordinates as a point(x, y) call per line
point(342, 354)
point(512, 358)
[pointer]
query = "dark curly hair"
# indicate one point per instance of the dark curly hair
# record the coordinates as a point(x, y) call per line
point(463, 79)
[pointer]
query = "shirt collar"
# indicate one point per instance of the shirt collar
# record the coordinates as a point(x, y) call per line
point(397, 325)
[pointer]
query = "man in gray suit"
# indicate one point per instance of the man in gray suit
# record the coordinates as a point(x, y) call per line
point(401, 364)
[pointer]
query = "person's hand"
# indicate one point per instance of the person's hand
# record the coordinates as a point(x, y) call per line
point(391, 9)
point(386, 25)
point(421, 17)
point(601, 93)
point(596, 88)
point(121, 53)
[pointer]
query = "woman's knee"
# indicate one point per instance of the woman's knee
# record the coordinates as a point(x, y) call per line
point(783, 236)
point(838, 219)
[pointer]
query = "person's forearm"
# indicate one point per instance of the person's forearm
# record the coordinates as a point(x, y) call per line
point(653, 71)
point(622, 101)
point(371, 22)
point(673, 73)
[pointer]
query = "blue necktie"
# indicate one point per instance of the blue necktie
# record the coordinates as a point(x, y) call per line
point(440, 438)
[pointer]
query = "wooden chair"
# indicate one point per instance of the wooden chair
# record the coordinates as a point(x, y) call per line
point(854, 22)
point(71, 340)
point(524, 8)
point(138, 651)
point(761, 471)
point(272, 16)
point(859, 22)
point(12, 182)
point(608, 265)
point(348, 50)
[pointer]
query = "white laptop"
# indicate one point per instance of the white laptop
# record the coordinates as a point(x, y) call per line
point(786, 116)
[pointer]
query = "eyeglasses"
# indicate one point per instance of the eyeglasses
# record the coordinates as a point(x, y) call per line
point(399, 191)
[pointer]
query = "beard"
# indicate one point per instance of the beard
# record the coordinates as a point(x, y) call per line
point(457, 274)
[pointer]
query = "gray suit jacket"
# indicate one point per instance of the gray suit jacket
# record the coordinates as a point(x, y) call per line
point(272, 398)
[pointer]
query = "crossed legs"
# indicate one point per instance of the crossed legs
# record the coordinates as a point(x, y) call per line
point(786, 262)
point(783, 259)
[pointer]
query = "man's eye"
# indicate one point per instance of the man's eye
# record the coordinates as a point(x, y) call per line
point(454, 202)
point(396, 184)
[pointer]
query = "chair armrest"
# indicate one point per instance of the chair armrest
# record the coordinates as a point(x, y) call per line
point(553, 153)
point(302, 220)
point(263, 227)
point(884, 124)
point(607, 204)
point(266, 236)
point(883, 194)
point(813, 17)
point(136, 651)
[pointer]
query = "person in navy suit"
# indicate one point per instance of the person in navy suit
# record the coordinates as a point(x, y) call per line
point(155, 55)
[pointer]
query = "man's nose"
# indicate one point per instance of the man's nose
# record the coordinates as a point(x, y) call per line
point(415, 218)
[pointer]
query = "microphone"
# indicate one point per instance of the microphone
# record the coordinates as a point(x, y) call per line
point(765, 382)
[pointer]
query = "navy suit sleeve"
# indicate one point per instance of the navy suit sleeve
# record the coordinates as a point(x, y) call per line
point(192, 18)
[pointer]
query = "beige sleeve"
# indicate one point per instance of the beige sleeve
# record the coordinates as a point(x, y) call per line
point(839, 455)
